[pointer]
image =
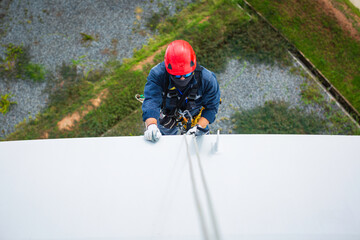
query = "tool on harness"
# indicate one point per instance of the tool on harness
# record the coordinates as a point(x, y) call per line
point(185, 123)
point(140, 97)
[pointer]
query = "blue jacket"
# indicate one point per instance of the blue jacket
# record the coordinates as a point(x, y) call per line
point(208, 94)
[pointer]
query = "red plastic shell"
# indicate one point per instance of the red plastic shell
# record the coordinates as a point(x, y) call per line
point(180, 58)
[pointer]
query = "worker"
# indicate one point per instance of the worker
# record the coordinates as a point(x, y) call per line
point(179, 85)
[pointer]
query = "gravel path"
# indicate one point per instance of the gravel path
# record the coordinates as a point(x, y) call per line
point(52, 30)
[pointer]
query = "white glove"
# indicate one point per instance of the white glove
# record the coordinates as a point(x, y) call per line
point(197, 131)
point(152, 133)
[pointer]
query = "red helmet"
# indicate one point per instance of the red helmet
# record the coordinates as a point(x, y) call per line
point(180, 58)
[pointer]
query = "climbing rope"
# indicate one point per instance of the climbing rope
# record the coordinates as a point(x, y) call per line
point(211, 230)
point(196, 194)
point(207, 193)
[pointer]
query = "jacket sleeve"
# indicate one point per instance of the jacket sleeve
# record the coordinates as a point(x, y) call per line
point(153, 95)
point(211, 96)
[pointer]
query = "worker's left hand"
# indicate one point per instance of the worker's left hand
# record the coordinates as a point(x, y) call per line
point(197, 131)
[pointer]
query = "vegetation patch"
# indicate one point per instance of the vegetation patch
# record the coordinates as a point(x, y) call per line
point(5, 103)
point(277, 118)
point(310, 93)
point(156, 17)
point(132, 125)
point(35, 71)
point(87, 39)
point(336, 121)
point(17, 64)
point(148, 60)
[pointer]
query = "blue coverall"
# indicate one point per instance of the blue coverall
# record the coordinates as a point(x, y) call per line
point(208, 96)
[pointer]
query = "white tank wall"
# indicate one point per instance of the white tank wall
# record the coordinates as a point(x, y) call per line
point(261, 187)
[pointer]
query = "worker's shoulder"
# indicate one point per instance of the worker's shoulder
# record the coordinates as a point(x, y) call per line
point(159, 69)
point(207, 75)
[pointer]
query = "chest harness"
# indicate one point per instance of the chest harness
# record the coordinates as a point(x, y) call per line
point(173, 112)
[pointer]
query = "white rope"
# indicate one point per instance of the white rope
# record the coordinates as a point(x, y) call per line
point(210, 231)
point(207, 193)
point(196, 193)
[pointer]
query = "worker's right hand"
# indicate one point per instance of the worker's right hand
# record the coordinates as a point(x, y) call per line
point(152, 133)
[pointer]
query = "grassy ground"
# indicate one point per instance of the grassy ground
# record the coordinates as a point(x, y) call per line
point(217, 30)
point(277, 118)
point(319, 36)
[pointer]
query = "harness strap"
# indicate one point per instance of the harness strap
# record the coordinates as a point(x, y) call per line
point(190, 93)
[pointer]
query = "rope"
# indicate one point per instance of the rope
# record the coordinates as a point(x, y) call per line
point(207, 193)
point(209, 206)
point(196, 195)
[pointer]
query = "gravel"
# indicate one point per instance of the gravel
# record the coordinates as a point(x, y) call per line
point(52, 31)
point(53, 28)
point(245, 85)
point(30, 100)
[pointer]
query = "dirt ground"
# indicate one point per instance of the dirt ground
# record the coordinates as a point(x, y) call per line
point(352, 25)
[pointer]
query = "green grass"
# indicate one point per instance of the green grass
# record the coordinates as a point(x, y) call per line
point(336, 121)
point(132, 125)
point(310, 93)
point(277, 118)
point(17, 64)
point(35, 71)
point(332, 50)
point(5, 103)
point(87, 37)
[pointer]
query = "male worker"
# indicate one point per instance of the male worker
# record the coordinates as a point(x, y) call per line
point(179, 86)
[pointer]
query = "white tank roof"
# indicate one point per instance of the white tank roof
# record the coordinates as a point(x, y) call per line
point(260, 187)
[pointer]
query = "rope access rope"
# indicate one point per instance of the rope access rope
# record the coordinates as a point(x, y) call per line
point(207, 193)
point(209, 207)
point(196, 195)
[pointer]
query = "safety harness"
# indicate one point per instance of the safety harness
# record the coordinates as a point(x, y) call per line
point(184, 118)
